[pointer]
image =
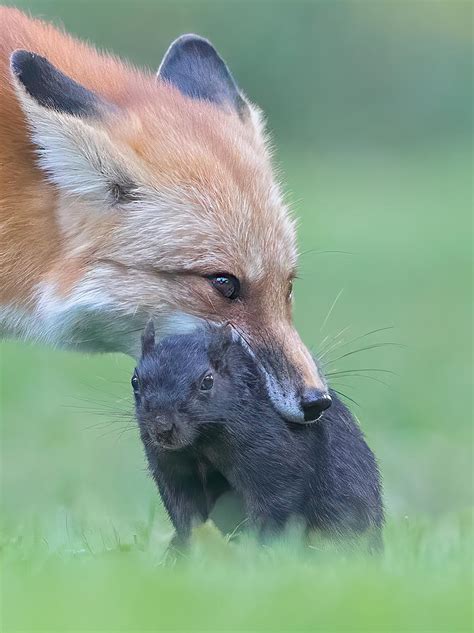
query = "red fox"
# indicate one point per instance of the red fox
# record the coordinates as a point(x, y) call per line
point(126, 194)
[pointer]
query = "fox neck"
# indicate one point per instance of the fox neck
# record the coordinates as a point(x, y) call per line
point(81, 327)
point(88, 323)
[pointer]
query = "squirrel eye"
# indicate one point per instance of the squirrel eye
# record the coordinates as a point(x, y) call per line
point(135, 381)
point(227, 285)
point(207, 382)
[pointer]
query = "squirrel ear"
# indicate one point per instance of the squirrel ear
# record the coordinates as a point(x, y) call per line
point(220, 341)
point(227, 334)
point(148, 338)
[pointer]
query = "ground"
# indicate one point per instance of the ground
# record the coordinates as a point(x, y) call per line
point(83, 534)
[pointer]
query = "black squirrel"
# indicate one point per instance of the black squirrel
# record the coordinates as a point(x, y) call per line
point(208, 426)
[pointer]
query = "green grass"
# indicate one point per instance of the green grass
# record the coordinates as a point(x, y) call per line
point(82, 533)
point(421, 583)
point(383, 93)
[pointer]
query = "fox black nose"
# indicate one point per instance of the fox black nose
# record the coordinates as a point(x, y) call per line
point(314, 403)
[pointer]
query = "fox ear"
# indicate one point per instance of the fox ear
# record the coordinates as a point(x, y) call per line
point(148, 338)
point(66, 124)
point(52, 89)
point(195, 68)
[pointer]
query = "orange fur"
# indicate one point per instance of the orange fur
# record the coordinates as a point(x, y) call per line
point(209, 204)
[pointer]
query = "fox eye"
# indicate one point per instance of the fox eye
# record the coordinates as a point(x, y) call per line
point(207, 382)
point(228, 285)
point(135, 382)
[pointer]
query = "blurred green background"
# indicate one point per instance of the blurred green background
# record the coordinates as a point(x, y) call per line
point(370, 107)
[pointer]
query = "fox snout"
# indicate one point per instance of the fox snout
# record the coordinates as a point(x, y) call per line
point(314, 402)
point(295, 401)
point(295, 384)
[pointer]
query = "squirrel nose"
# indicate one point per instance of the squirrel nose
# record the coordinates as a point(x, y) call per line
point(314, 402)
point(164, 425)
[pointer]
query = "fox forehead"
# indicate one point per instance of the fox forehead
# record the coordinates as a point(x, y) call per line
point(185, 229)
point(205, 197)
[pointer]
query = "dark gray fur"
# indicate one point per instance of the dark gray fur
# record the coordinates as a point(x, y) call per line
point(230, 438)
point(191, 64)
point(195, 68)
point(51, 88)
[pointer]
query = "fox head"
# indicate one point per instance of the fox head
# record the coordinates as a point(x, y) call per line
point(167, 206)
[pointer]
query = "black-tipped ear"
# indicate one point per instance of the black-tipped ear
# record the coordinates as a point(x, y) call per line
point(195, 68)
point(221, 339)
point(51, 88)
point(148, 338)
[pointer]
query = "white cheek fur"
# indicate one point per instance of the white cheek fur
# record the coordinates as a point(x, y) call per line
point(90, 319)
